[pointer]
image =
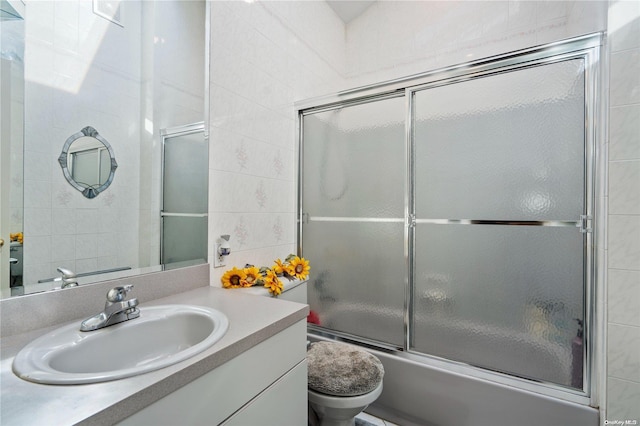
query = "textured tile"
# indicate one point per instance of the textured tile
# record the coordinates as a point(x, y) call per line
point(587, 17)
point(37, 250)
point(63, 221)
point(37, 222)
point(86, 220)
point(39, 165)
point(551, 9)
point(86, 265)
point(64, 248)
point(622, 400)
point(623, 354)
point(624, 187)
point(623, 295)
point(37, 194)
point(624, 242)
point(624, 25)
point(624, 78)
point(86, 246)
point(624, 133)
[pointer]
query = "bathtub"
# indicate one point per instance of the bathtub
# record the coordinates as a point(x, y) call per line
point(415, 393)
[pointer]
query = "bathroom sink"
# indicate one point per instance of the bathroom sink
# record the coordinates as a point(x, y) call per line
point(161, 336)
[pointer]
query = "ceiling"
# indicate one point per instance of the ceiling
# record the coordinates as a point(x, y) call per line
point(348, 10)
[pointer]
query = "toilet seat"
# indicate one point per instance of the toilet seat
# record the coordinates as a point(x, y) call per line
point(342, 381)
point(342, 370)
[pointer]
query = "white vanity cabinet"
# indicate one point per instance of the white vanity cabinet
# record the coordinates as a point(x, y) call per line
point(282, 404)
point(265, 385)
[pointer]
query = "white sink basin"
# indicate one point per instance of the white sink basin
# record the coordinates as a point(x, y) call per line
point(161, 336)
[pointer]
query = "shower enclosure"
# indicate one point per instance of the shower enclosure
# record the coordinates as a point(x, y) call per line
point(185, 183)
point(449, 216)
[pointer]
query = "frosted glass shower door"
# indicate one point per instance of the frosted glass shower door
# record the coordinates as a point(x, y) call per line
point(354, 174)
point(185, 196)
point(499, 256)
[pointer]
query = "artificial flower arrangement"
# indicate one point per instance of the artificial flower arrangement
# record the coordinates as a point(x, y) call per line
point(293, 267)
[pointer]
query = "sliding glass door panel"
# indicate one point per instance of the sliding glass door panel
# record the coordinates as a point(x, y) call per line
point(353, 203)
point(500, 185)
point(505, 147)
point(358, 281)
point(499, 297)
point(184, 239)
point(354, 161)
point(185, 183)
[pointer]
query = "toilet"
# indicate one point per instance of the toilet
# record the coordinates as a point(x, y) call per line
point(15, 267)
point(342, 381)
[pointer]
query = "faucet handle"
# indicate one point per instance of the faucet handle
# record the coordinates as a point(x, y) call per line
point(117, 294)
point(69, 278)
point(66, 273)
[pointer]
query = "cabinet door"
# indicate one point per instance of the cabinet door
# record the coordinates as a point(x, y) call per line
point(284, 403)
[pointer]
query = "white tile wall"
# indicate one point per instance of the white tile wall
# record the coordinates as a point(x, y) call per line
point(264, 57)
point(395, 38)
point(624, 127)
point(623, 284)
point(623, 296)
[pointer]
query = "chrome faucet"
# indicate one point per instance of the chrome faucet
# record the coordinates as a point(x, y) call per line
point(69, 278)
point(116, 310)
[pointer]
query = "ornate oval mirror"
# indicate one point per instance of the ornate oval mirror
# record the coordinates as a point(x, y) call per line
point(88, 162)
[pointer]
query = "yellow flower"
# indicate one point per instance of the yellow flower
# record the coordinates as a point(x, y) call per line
point(273, 283)
point(299, 268)
point(233, 278)
point(252, 274)
point(279, 268)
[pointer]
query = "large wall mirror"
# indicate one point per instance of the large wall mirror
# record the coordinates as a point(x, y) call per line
point(89, 81)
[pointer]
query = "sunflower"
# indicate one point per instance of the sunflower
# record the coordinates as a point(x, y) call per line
point(233, 278)
point(272, 282)
point(279, 268)
point(252, 274)
point(299, 267)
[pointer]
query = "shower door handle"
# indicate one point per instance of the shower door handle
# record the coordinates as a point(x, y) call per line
point(584, 224)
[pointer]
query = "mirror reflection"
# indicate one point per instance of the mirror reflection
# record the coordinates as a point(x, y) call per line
point(12, 27)
point(88, 162)
point(129, 69)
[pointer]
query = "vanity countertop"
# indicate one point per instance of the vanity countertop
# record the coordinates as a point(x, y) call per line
point(251, 321)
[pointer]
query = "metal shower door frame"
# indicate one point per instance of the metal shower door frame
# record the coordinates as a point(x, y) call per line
point(172, 132)
point(586, 48)
point(585, 222)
